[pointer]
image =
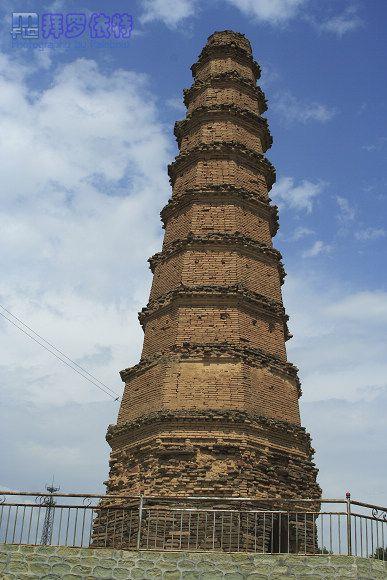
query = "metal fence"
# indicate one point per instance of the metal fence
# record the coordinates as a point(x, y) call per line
point(298, 526)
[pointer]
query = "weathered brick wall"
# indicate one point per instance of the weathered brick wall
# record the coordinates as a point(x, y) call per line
point(144, 393)
point(263, 385)
point(218, 171)
point(218, 267)
point(211, 452)
point(22, 562)
point(221, 65)
point(223, 383)
point(210, 132)
point(218, 216)
point(214, 323)
point(224, 95)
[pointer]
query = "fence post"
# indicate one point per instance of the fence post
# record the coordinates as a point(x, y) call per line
point(349, 533)
point(140, 509)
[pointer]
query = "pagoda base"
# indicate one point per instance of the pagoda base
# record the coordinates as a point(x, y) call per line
point(211, 453)
point(217, 454)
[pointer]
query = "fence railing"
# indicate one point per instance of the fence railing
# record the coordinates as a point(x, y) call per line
point(270, 525)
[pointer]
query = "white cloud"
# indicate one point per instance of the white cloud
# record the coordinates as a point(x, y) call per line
point(301, 232)
point(340, 24)
point(177, 104)
point(270, 11)
point(346, 213)
point(319, 247)
point(346, 436)
point(291, 110)
point(297, 197)
point(377, 146)
point(370, 234)
point(77, 189)
point(339, 346)
point(70, 211)
point(32, 456)
point(368, 307)
point(170, 12)
point(339, 338)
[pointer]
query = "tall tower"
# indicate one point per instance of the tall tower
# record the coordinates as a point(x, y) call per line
point(212, 406)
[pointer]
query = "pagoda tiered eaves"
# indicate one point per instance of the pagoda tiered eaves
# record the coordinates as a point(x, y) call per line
point(225, 193)
point(245, 86)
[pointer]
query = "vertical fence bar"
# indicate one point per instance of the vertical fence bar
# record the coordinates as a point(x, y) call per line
point(230, 546)
point(140, 509)
point(349, 523)
point(157, 526)
point(288, 534)
point(83, 526)
point(355, 522)
point(255, 533)
point(14, 525)
point(330, 533)
point(366, 538)
point(91, 525)
point(305, 533)
point(22, 526)
point(181, 530)
point(122, 528)
point(361, 536)
point(37, 527)
point(279, 532)
point(29, 526)
point(75, 526)
point(148, 528)
point(165, 530)
point(173, 529)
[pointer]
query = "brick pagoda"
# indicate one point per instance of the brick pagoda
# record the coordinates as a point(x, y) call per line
point(212, 406)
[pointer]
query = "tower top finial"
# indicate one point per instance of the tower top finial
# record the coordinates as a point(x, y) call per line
point(229, 37)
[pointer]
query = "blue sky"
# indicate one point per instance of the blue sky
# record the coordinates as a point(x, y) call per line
point(86, 138)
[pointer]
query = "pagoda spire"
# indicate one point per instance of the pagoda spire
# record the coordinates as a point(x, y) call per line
point(212, 406)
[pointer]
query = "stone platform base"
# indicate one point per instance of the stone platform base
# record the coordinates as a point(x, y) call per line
point(49, 563)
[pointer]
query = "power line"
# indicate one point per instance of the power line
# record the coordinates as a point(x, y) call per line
point(93, 380)
point(57, 350)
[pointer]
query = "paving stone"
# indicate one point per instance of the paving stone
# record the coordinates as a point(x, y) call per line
point(138, 573)
point(121, 573)
point(176, 575)
point(102, 572)
point(61, 569)
point(17, 567)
